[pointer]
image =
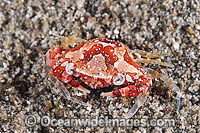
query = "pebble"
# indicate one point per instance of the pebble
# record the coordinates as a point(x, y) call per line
point(198, 26)
point(176, 45)
point(116, 31)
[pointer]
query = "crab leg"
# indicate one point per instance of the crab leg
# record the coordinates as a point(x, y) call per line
point(66, 93)
point(58, 84)
point(148, 54)
point(153, 61)
point(171, 84)
point(136, 106)
point(67, 41)
point(142, 85)
point(61, 73)
point(81, 88)
point(140, 53)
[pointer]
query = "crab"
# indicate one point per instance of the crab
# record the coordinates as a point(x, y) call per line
point(101, 63)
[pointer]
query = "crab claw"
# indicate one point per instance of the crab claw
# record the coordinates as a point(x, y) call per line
point(50, 56)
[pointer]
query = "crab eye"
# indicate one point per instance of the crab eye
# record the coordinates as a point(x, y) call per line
point(70, 68)
point(118, 79)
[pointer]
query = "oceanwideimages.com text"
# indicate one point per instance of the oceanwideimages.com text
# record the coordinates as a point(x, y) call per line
point(46, 121)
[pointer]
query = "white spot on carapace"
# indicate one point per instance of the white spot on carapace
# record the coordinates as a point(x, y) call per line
point(96, 40)
point(57, 55)
point(128, 78)
point(107, 44)
point(136, 76)
point(64, 63)
point(69, 68)
point(139, 56)
point(118, 79)
point(100, 73)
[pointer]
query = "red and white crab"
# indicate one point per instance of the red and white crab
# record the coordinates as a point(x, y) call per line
point(101, 63)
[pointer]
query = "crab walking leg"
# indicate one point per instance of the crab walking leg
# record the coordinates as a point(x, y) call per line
point(58, 84)
point(62, 74)
point(171, 84)
point(153, 61)
point(66, 93)
point(142, 85)
point(76, 85)
point(126, 92)
point(136, 106)
point(74, 99)
point(81, 88)
point(70, 40)
point(148, 54)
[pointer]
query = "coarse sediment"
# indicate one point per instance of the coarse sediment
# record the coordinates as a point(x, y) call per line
point(27, 31)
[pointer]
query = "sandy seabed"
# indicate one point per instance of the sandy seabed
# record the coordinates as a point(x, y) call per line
point(27, 31)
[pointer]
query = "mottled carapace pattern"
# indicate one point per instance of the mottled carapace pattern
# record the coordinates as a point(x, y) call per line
point(100, 63)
